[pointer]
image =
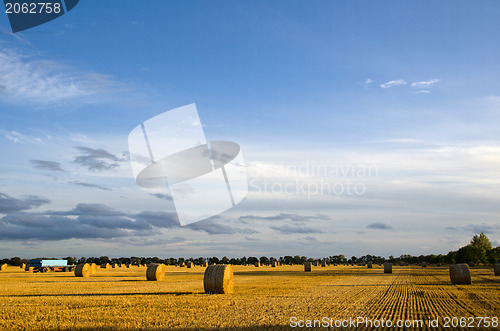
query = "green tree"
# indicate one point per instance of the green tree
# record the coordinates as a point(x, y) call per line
point(479, 247)
point(15, 261)
point(494, 255)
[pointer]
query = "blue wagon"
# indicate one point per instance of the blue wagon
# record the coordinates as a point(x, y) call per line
point(50, 265)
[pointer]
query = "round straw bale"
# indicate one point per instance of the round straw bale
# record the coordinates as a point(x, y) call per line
point(105, 266)
point(189, 264)
point(274, 264)
point(257, 264)
point(219, 279)
point(496, 268)
point(424, 264)
point(83, 270)
point(387, 268)
point(3, 267)
point(460, 274)
point(307, 266)
point(23, 266)
point(323, 263)
point(471, 263)
point(369, 264)
point(93, 269)
point(155, 271)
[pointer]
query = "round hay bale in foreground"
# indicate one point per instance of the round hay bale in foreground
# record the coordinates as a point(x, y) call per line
point(387, 268)
point(307, 266)
point(83, 270)
point(155, 271)
point(219, 279)
point(496, 268)
point(3, 267)
point(460, 274)
point(93, 269)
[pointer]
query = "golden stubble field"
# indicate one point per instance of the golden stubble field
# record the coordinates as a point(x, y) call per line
point(264, 298)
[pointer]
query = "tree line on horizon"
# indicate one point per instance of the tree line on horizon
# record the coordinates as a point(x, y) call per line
point(479, 251)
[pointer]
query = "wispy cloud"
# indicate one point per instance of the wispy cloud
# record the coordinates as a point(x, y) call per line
point(213, 227)
point(28, 80)
point(425, 83)
point(368, 81)
point(476, 228)
point(47, 165)
point(90, 185)
point(162, 196)
point(292, 229)
point(17, 137)
point(379, 226)
point(393, 83)
point(97, 159)
point(285, 217)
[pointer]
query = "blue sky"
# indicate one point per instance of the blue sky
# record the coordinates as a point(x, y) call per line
point(307, 88)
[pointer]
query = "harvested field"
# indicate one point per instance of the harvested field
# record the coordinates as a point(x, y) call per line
point(263, 298)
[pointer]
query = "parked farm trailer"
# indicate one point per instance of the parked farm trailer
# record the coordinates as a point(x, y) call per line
point(49, 265)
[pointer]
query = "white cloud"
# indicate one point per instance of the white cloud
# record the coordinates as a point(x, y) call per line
point(393, 83)
point(422, 92)
point(424, 84)
point(28, 80)
point(17, 137)
point(368, 81)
